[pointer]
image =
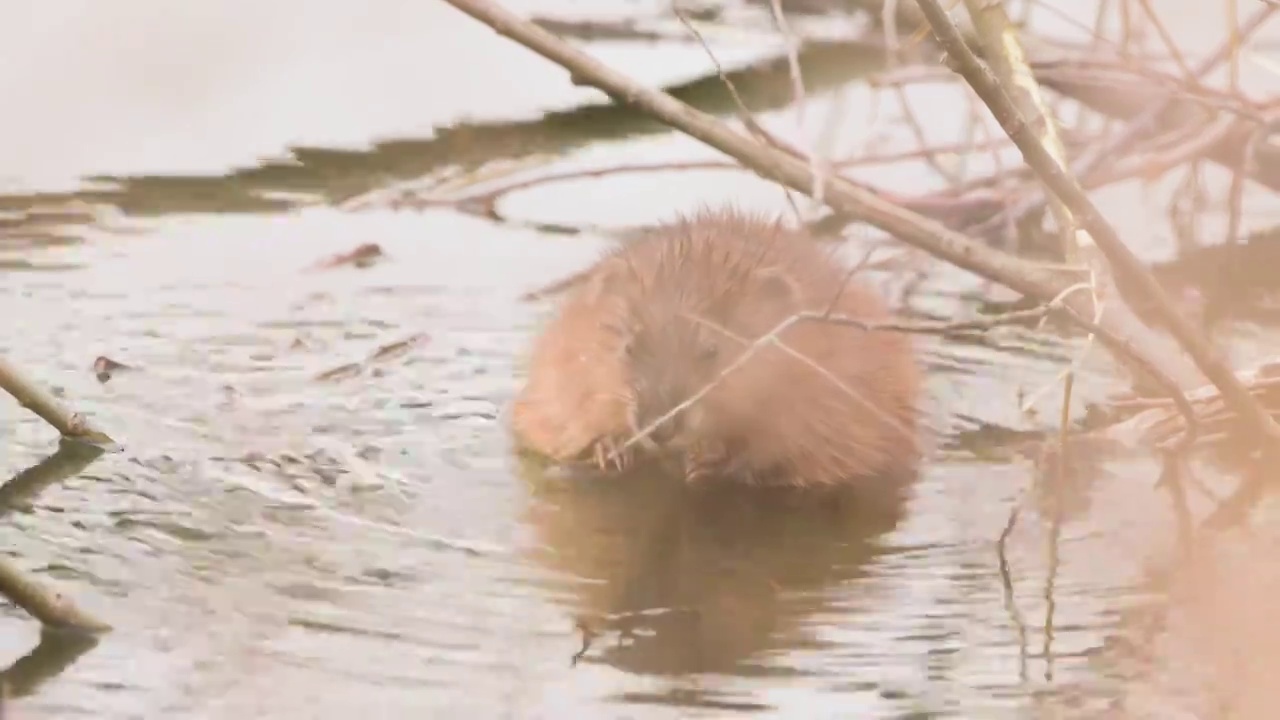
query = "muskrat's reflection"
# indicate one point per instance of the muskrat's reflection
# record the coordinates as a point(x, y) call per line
point(678, 579)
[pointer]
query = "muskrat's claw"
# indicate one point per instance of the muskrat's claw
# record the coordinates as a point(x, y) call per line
point(601, 455)
point(608, 457)
point(695, 473)
point(701, 462)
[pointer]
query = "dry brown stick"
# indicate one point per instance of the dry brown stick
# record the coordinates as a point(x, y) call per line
point(995, 32)
point(1123, 262)
point(50, 607)
point(842, 195)
point(40, 402)
point(1170, 45)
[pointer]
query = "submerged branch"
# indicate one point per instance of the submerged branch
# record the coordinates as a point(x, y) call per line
point(51, 608)
point(37, 400)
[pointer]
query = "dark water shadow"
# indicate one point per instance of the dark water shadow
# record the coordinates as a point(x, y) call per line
point(58, 648)
point(56, 651)
point(326, 175)
point(70, 459)
point(670, 580)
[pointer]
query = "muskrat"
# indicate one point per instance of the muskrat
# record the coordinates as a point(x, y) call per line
point(657, 320)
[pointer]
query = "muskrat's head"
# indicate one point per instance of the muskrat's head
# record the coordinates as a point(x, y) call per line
point(682, 340)
point(671, 356)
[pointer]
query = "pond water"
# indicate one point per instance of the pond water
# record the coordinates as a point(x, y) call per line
point(280, 540)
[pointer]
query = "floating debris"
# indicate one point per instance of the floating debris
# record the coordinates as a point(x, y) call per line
point(362, 257)
point(104, 368)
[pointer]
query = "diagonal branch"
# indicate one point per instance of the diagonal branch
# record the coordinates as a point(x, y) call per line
point(842, 195)
point(40, 402)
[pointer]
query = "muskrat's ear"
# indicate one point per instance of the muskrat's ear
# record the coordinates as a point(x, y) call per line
point(776, 287)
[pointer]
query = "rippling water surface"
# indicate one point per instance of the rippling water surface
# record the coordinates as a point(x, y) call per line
point(316, 512)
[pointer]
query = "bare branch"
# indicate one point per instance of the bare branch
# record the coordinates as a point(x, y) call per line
point(48, 606)
point(1129, 270)
point(844, 196)
point(40, 402)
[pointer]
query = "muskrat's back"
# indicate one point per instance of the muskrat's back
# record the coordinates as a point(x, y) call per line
point(659, 319)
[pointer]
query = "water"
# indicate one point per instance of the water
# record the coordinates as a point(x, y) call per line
point(273, 542)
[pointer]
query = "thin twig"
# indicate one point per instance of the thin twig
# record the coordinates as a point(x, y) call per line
point(994, 29)
point(798, 97)
point(772, 338)
point(1089, 162)
point(1051, 576)
point(1006, 584)
point(1167, 39)
point(744, 114)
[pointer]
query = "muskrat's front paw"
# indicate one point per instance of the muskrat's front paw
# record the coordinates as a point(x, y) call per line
point(703, 462)
point(609, 456)
point(696, 472)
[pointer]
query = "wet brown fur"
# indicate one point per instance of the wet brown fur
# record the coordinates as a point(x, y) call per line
point(657, 319)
